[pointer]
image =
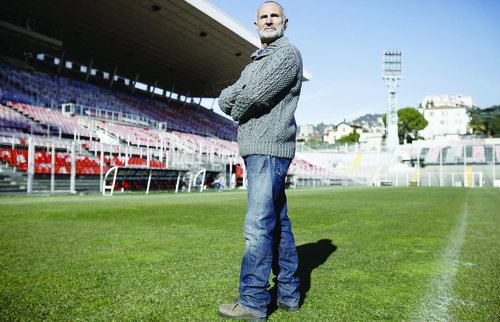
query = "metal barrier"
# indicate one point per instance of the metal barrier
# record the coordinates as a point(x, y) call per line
point(140, 174)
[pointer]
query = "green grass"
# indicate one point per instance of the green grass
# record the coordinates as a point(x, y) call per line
point(366, 253)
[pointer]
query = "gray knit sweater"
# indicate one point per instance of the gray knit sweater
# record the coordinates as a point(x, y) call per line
point(264, 99)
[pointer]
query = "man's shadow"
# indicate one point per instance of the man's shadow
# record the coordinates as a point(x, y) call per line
point(311, 256)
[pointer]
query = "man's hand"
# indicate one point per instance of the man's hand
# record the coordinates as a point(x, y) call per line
point(227, 98)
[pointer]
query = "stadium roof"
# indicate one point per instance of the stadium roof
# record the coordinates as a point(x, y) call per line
point(187, 46)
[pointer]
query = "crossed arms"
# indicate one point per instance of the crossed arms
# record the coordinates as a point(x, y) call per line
point(256, 91)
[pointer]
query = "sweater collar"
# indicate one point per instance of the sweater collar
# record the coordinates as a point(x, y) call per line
point(278, 43)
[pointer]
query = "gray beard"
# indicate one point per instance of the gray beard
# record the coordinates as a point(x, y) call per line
point(269, 38)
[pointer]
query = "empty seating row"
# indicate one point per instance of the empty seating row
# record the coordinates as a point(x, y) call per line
point(96, 147)
point(39, 89)
point(12, 121)
point(43, 161)
point(84, 165)
point(135, 135)
point(54, 118)
point(207, 144)
point(303, 167)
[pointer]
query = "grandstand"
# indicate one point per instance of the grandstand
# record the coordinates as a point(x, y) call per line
point(134, 102)
point(84, 104)
point(463, 162)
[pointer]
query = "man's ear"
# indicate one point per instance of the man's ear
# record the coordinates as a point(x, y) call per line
point(285, 24)
point(255, 23)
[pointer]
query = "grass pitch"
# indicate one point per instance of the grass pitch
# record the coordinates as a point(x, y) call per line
point(366, 253)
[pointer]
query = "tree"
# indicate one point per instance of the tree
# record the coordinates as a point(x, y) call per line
point(477, 121)
point(485, 122)
point(493, 121)
point(352, 137)
point(410, 121)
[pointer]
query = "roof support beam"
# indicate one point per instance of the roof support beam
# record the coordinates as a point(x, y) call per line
point(154, 87)
point(89, 68)
point(199, 104)
point(113, 76)
point(185, 100)
point(61, 61)
point(134, 82)
point(171, 92)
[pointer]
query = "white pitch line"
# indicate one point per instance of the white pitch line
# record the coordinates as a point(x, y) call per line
point(434, 305)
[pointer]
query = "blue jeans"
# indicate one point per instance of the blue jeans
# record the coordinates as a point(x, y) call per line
point(267, 232)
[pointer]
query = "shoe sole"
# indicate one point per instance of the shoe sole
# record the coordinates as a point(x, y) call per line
point(241, 319)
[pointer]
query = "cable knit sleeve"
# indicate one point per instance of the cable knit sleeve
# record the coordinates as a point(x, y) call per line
point(228, 95)
point(226, 99)
point(259, 94)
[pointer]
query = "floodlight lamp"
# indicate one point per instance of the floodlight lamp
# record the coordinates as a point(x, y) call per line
point(392, 64)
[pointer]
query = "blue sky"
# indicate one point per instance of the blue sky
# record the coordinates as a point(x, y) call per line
point(448, 47)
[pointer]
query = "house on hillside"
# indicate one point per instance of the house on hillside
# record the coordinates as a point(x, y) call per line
point(340, 130)
point(447, 115)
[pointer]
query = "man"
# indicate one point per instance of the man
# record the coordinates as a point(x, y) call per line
point(263, 102)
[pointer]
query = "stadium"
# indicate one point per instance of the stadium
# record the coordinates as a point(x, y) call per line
point(123, 197)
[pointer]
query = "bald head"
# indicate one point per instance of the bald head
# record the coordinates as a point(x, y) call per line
point(276, 4)
point(271, 22)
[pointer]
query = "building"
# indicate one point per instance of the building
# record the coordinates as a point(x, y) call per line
point(342, 129)
point(447, 115)
point(327, 129)
point(371, 140)
point(458, 100)
point(304, 132)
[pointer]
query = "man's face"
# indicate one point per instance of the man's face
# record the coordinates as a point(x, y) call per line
point(270, 22)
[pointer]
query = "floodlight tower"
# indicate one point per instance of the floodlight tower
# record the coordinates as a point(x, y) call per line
point(391, 74)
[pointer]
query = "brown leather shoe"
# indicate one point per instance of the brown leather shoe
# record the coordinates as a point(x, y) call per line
point(237, 312)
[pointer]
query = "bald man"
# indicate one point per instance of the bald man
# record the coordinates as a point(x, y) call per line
point(263, 102)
